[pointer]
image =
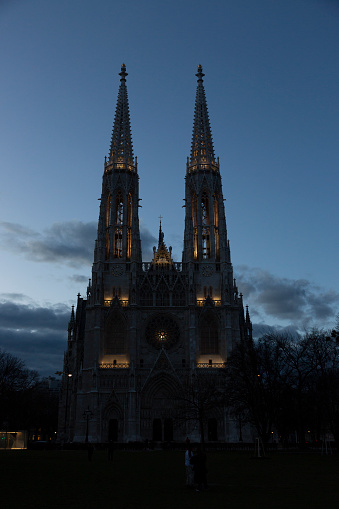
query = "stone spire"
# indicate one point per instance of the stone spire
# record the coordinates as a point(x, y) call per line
point(202, 152)
point(121, 150)
point(161, 235)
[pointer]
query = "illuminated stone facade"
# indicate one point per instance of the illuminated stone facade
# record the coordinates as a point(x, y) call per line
point(145, 327)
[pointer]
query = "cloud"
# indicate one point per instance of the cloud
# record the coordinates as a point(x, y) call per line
point(23, 316)
point(15, 297)
point(40, 350)
point(147, 242)
point(298, 302)
point(261, 329)
point(69, 243)
point(78, 278)
point(35, 334)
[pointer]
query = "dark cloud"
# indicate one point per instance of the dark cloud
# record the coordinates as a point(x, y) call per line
point(37, 335)
point(299, 302)
point(70, 243)
point(147, 242)
point(80, 279)
point(261, 329)
point(23, 316)
point(40, 350)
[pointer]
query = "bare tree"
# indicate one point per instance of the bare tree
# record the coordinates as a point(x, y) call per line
point(15, 381)
point(255, 383)
point(200, 398)
point(287, 383)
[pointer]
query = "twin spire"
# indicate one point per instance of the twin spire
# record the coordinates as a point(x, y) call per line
point(121, 150)
point(202, 152)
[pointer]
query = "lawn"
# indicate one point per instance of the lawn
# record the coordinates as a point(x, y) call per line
point(147, 479)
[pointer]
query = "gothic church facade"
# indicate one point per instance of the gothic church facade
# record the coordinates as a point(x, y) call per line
point(145, 327)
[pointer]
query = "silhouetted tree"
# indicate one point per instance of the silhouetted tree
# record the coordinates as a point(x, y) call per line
point(15, 383)
point(42, 411)
point(201, 397)
point(255, 383)
point(325, 382)
point(287, 383)
point(312, 364)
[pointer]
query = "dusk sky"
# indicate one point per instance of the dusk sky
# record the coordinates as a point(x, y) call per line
point(271, 80)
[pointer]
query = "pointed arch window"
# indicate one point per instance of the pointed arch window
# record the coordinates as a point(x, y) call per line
point(209, 337)
point(216, 226)
point(195, 225)
point(205, 234)
point(119, 220)
point(204, 209)
point(216, 211)
point(146, 295)
point(129, 224)
point(107, 225)
point(115, 336)
point(179, 295)
point(162, 295)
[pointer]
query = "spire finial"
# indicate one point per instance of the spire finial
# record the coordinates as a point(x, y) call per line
point(200, 74)
point(161, 235)
point(123, 73)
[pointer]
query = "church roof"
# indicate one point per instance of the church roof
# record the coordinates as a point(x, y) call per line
point(121, 150)
point(202, 151)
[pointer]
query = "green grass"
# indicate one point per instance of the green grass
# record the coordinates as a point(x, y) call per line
point(66, 479)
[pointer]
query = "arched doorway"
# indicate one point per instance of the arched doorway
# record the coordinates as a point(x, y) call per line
point(160, 407)
point(113, 430)
point(168, 430)
point(212, 428)
point(112, 423)
point(157, 430)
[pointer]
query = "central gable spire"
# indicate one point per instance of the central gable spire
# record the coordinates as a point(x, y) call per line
point(202, 151)
point(121, 150)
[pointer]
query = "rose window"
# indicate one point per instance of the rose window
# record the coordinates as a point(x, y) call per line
point(162, 331)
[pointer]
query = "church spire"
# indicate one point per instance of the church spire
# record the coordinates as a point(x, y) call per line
point(121, 150)
point(161, 234)
point(202, 151)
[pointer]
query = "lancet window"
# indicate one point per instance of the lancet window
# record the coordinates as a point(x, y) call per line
point(216, 226)
point(115, 337)
point(209, 341)
point(162, 295)
point(195, 225)
point(129, 224)
point(108, 225)
point(216, 211)
point(146, 295)
point(179, 295)
point(119, 220)
point(205, 234)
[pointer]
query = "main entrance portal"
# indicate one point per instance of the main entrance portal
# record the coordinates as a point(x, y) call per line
point(162, 430)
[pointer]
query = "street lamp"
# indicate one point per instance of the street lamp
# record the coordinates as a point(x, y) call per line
point(87, 415)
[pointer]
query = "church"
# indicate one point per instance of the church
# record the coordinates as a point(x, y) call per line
point(145, 328)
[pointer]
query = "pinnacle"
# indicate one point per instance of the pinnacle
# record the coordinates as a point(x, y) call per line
point(200, 74)
point(123, 73)
point(161, 234)
point(121, 150)
point(202, 151)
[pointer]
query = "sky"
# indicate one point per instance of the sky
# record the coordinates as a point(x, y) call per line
point(271, 82)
